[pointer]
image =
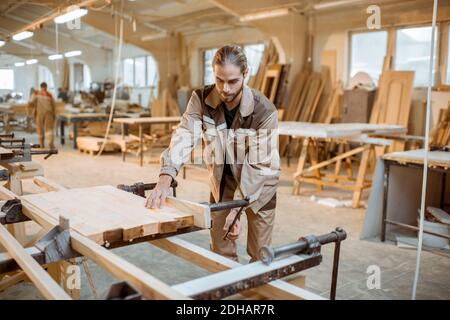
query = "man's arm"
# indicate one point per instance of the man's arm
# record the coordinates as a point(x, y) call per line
point(183, 141)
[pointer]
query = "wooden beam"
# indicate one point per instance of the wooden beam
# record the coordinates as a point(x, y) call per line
point(149, 286)
point(41, 279)
point(213, 262)
point(9, 281)
point(48, 184)
point(222, 279)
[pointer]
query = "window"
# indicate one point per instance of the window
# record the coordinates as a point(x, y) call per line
point(87, 79)
point(208, 76)
point(7, 79)
point(128, 72)
point(45, 75)
point(254, 53)
point(152, 76)
point(368, 50)
point(448, 57)
point(139, 72)
point(413, 52)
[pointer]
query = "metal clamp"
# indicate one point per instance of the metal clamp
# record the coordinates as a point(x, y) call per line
point(12, 212)
point(56, 243)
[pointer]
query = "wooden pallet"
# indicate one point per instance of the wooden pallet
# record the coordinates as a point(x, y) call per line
point(92, 145)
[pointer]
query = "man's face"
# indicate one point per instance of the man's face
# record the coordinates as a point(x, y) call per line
point(229, 80)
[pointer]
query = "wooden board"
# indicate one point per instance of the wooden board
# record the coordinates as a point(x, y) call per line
point(6, 154)
point(105, 213)
point(435, 158)
point(335, 130)
point(43, 282)
point(393, 102)
point(147, 120)
point(214, 262)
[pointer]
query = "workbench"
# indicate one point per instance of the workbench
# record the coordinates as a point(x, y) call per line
point(140, 122)
point(73, 230)
point(75, 118)
point(396, 193)
point(344, 133)
point(11, 111)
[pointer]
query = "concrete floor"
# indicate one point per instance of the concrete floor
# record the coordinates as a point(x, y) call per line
point(296, 216)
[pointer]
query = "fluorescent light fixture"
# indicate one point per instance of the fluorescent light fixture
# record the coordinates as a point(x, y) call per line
point(55, 57)
point(22, 35)
point(72, 53)
point(265, 15)
point(71, 15)
point(155, 36)
point(2, 43)
point(31, 61)
point(19, 64)
point(334, 4)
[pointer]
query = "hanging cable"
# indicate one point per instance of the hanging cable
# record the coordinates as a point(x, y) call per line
point(425, 161)
point(116, 82)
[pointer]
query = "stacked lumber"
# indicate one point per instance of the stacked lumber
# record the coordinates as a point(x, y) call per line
point(440, 134)
point(165, 106)
point(92, 145)
point(270, 57)
point(304, 98)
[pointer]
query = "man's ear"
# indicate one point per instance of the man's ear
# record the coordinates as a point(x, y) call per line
point(245, 73)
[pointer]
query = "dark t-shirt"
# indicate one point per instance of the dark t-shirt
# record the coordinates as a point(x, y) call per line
point(229, 117)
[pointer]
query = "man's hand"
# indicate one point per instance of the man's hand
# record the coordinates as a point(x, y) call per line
point(236, 229)
point(158, 195)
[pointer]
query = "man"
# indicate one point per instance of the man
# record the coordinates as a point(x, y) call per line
point(44, 105)
point(243, 161)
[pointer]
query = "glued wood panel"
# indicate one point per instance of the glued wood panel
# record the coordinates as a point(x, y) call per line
point(107, 213)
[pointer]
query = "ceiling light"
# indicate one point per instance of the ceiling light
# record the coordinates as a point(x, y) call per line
point(55, 57)
point(265, 15)
point(31, 61)
point(2, 43)
point(72, 53)
point(155, 36)
point(71, 15)
point(22, 35)
point(334, 4)
point(19, 64)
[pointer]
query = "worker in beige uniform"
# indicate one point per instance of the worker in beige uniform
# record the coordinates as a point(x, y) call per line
point(238, 125)
point(44, 106)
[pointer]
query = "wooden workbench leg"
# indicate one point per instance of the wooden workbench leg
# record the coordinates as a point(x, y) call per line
point(314, 161)
point(300, 166)
point(365, 158)
point(337, 167)
point(66, 274)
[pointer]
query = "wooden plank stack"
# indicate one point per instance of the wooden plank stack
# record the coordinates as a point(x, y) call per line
point(270, 57)
point(440, 134)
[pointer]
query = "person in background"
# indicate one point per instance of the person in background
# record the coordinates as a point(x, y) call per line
point(44, 105)
point(62, 94)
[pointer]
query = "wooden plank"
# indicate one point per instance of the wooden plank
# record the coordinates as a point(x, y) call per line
point(147, 120)
point(234, 275)
point(9, 281)
point(213, 262)
point(47, 184)
point(41, 279)
point(149, 286)
point(328, 59)
point(201, 213)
